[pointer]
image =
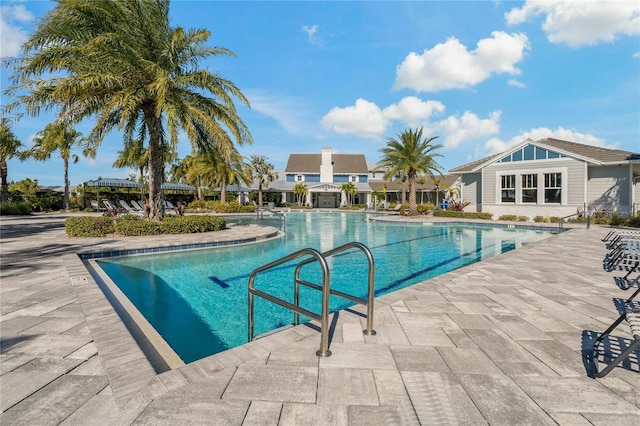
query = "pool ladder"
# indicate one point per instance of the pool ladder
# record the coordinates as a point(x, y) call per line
point(312, 255)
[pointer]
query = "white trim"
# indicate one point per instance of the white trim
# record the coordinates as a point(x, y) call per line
point(540, 172)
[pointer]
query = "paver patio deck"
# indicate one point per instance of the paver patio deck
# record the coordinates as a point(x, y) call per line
point(497, 342)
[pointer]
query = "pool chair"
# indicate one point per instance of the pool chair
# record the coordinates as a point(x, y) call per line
point(631, 314)
point(96, 206)
point(130, 210)
point(112, 209)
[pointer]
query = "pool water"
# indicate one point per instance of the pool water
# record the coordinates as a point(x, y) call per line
point(197, 300)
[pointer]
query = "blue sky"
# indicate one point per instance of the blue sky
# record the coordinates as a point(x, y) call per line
point(481, 75)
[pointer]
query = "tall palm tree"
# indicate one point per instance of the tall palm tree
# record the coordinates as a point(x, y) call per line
point(121, 62)
point(232, 171)
point(263, 172)
point(133, 154)
point(58, 137)
point(300, 190)
point(193, 170)
point(349, 190)
point(9, 147)
point(410, 155)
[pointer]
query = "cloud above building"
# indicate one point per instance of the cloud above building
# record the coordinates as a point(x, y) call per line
point(581, 23)
point(451, 65)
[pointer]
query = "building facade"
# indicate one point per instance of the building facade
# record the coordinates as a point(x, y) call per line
point(552, 177)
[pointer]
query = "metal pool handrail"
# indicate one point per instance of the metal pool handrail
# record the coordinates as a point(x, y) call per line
point(371, 283)
point(323, 317)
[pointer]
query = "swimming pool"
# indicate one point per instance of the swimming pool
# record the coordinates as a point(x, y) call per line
point(197, 300)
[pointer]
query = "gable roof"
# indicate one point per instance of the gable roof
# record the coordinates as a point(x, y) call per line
point(342, 163)
point(590, 153)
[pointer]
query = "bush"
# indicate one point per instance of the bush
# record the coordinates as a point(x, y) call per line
point(135, 226)
point(463, 215)
point(508, 217)
point(88, 226)
point(230, 207)
point(129, 225)
point(191, 224)
point(426, 208)
point(554, 219)
point(540, 219)
point(21, 207)
point(522, 219)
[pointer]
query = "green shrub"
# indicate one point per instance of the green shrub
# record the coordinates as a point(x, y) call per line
point(463, 215)
point(426, 208)
point(508, 217)
point(135, 226)
point(522, 219)
point(541, 219)
point(248, 208)
point(88, 226)
point(20, 207)
point(191, 224)
point(554, 219)
point(129, 225)
point(617, 220)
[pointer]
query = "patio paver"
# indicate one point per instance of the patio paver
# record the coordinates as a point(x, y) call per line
point(496, 342)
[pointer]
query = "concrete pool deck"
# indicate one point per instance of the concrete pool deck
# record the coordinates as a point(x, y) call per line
point(497, 342)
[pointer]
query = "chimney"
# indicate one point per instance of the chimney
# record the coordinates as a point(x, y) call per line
point(326, 167)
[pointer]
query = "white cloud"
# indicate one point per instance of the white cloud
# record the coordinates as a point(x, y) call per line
point(367, 120)
point(636, 55)
point(312, 35)
point(516, 83)
point(364, 119)
point(12, 35)
point(450, 65)
point(581, 23)
point(495, 145)
point(467, 127)
point(412, 110)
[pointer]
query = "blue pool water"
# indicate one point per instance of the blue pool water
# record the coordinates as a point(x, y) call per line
point(197, 300)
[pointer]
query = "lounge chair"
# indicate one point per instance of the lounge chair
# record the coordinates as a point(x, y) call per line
point(112, 209)
point(130, 210)
point(630, 314)
point(96, 206)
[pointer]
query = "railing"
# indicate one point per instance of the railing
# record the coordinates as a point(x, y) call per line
point(371, 283)
point(260, 215)
point(325, 288)
point(585, 211)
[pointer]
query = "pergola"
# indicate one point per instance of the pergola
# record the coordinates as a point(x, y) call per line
point(125, 183)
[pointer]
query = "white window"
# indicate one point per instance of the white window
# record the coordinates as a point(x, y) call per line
point(553, 188)
point(354, 179)
point(508, 188)
point(530, 188)
point(299, 178)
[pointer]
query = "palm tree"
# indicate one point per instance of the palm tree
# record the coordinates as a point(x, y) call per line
point(134, 154)
point(349, 190)
point(300, 190)
point(122, 63)
point(9, 148)
point(262, 171)
point(422, 181)
point(193, 169)
point(229, 171)
point(57, 137)
point(409, 156)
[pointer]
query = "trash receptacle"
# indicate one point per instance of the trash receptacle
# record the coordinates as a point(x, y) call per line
point(444, 204)
point(271, 205)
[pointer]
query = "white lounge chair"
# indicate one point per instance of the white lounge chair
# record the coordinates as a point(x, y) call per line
point(130, 210)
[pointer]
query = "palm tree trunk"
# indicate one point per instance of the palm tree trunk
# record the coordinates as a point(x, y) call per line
point(223, 189)
point(260, 194)
point(65, 200)
point(3, 178)
point(142, 182)
point(413, 208)
point(154, 126)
